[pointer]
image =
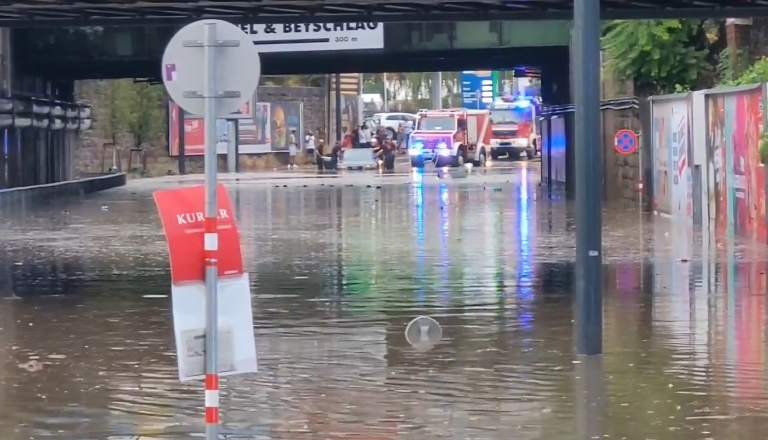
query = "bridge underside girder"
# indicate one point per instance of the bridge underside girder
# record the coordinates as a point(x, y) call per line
point(324, 62)
point(142, 12)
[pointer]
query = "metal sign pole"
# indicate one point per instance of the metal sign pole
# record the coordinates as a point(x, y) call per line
point(211, 236)
point(211, 68)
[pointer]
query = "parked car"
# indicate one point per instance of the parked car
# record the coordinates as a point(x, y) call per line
point(392, 121)
point(358, 159)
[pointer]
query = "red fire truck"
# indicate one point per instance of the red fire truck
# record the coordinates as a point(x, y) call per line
point(450, 137)
point(514, 128)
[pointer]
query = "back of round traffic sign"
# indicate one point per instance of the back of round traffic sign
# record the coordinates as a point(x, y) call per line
point(423, 333)
point(626, 141)
point(237, 67)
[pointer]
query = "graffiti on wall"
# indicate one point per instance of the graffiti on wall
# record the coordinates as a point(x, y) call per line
point(673, 182)
point(735, 178)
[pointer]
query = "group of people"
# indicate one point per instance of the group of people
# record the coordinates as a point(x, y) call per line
point(325, 160)
point(380, 141)
point(366, 137)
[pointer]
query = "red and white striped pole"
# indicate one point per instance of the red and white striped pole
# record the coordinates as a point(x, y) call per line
point(211, 240)
point(211, 247)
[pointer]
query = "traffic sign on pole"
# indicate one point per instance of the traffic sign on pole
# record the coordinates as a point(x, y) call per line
point(211, 68)
point(236, 73)
point(423, 333)
point(626, 142)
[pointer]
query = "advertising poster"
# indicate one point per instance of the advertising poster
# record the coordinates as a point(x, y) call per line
point(194, 133)
point(351, 116)
point(673, 181)
point(254, 134)
point(285, 118)
point(735, 177)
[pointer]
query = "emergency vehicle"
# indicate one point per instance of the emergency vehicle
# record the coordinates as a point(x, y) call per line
point(450, 137)
point(514, 127)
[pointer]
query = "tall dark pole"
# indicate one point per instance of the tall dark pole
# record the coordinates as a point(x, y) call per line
point(337, 81)
point(182, 142)
point(589, 178)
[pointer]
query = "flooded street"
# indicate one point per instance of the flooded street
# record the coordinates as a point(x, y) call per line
point(339, 266)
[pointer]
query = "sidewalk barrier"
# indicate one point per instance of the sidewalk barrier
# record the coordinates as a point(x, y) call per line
point(30, 195)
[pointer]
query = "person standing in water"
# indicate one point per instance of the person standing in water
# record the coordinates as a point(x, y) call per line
point(319, 160)
point(292, 150)
point(310, 140)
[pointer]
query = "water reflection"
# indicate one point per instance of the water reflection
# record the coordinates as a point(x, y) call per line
point(337, 274)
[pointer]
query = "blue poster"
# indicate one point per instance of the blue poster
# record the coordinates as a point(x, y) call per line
point(476, 89)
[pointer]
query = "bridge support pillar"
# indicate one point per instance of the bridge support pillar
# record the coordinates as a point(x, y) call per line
point(589, 178)
point(5, 90)
point(436, 94)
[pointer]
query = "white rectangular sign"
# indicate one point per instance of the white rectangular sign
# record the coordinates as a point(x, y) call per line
point(236, 341)
point(306, 37)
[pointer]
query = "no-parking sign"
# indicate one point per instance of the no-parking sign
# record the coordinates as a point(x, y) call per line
point(626, 142)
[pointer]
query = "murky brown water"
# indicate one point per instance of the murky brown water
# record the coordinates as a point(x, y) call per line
point(337, 272)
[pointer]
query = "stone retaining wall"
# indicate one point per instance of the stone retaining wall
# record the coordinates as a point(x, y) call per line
point(91, 155)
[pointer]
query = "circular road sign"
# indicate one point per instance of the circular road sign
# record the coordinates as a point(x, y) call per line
point(626, 141)
point(237, 67)
point(423, 333)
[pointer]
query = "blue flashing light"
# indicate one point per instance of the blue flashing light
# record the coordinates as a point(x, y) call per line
point(522, 103)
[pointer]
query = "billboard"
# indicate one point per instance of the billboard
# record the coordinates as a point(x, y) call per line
point(269, 129)
point(194, 133)
point(308, 37)
point(673, 181)
point(351, 115)
point(477, 89)
point(262, 127)
point(735, 184)
point(255, 135)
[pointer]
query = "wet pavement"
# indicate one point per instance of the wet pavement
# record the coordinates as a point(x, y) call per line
point(339, 265)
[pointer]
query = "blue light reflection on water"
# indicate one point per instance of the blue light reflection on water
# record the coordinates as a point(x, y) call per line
point(525, 274)
point(419, 208)
point(444, 254)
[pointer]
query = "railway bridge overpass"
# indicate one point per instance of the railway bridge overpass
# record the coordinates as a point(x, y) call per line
point(45, 45)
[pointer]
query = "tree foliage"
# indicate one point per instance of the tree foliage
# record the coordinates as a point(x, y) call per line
point(293, 80)
point(754, 74)
point(660, 56)
point(137, 109)
point(146, 112)
point(412, 86)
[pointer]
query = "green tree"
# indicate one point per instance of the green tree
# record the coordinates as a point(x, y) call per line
point(293, 80)
point(660, 56)
point(112, 121)
point(754, 74)
point(144, 108)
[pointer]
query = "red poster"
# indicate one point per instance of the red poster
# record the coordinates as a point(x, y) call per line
point(182, 212)
point(194, 133)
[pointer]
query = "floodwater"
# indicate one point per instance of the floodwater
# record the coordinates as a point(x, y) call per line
point(338, 268)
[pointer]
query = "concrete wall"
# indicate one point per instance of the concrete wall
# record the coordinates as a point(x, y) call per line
point(91, 155)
